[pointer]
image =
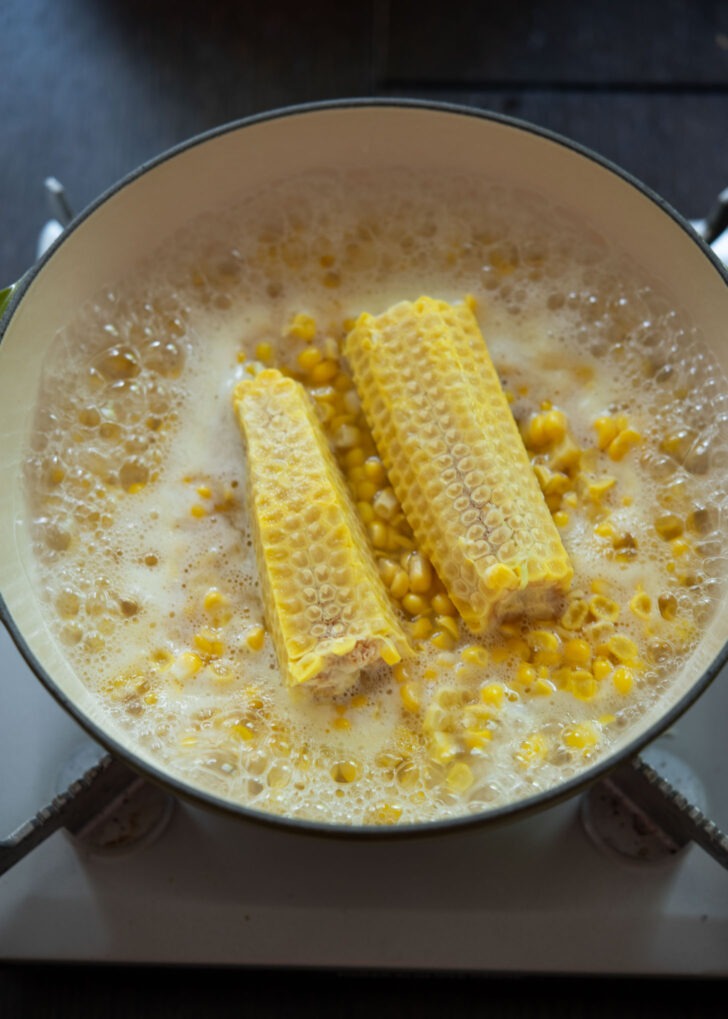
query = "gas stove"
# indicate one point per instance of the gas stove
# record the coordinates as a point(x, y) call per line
point(540, 895)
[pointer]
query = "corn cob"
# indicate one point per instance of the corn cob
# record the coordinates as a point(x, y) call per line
point(456, 460)
point(327, 609)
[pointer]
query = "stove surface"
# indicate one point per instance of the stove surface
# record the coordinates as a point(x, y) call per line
point(533, 896)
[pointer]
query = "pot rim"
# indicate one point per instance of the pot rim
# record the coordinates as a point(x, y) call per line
point(515, 809)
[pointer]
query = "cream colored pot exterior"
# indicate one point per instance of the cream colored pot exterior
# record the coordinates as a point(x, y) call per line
point(136, 217)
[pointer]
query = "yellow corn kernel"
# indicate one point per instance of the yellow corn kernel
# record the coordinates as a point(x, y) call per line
point(264, 353)
point(484, 525)
point(416, 605)
point(475, 654)
point(310, 544)
point(477, 739)
point(437, 719)
point(623, 443)
point(345, 772)
point(607, 429)
point(667, 604)
point(640, 605)
point(341, 723)
point(356, 458)
point(669, 526)
point(217, 607)
point(384, 503)
point(360, 701)
point(410, 696)
point(543, 687)
point(583, 684)
point(443, 640)
point(162, 657)
point(601, 667)
point(561, 519)
point(701, 520)
point(493, 694)
point(459, 777)
point(374, 470)
point(186, 665)
point(544, 429)
point(476, 717)
point(545, 647)
point(303, 327)
point(679, 547)
point(603, 608)
point(449, 624)
point(387, 569)
point(399, 586)
point(442, 605)
point(532, 750)
point(623, 649)
point(324, 372)
point(604, 529)
point(420, 573)
point(525, 673)
point(575, 615)
point(580, 737)
point(309, 358)
point(566, 457)
point(623, 678)
point(365, 511)
point(577, 651)
point(421, 628)
point(598, 488)
point(378, 534)
point(255, 638)
point(347, 436)
point(385, 813)
point(443, 746)
point(209, 644)
point(196, 510)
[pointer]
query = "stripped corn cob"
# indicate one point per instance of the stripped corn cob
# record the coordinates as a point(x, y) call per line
point(326, 606)
point(456, 459)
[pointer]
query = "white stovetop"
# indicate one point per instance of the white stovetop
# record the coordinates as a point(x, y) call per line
point(531, 896)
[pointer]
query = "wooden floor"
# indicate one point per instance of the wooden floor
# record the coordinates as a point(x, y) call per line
point(89, 89)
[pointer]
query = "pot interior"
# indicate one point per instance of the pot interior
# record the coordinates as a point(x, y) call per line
point(108, 242)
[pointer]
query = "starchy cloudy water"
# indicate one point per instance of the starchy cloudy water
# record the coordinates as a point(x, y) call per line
point(135, 481)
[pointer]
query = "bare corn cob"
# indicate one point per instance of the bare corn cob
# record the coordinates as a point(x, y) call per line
point(326, 606)
point(456, 460)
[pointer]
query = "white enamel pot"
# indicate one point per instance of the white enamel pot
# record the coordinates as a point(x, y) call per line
point(104, 243)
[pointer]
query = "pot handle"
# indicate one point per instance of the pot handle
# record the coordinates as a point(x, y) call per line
point(101, 790)
point(62, 216)
point(656, 807)
point(714, 228)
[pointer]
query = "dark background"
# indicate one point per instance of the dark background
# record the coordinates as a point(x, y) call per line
point(89, 89)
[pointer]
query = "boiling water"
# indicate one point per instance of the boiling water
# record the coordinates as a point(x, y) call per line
point(136, 487)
